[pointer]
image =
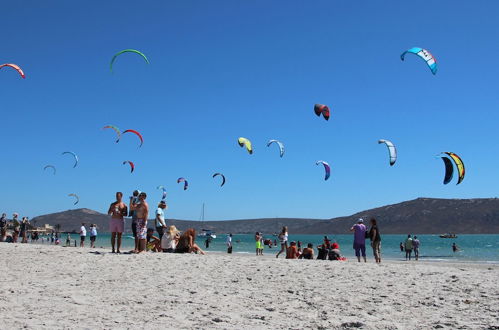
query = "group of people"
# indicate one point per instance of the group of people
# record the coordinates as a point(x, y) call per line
point(169, 239)
point(410, 245)
point(20, 229)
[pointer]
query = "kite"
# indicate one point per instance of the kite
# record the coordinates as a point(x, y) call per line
point(425, 55)
point(127, 51)
point(132, 165)
point(116, 129)
point(164, 192)
point(74, 155)
point(223, 178)
point(184, 181)
point(279, 143)
point(327, 168)
point(449, 170)
point(15, 67)
point(137, 133)
point(321, 108)
point(392, 151)
point(244, 142)
point(75, 196)
point(51, 166)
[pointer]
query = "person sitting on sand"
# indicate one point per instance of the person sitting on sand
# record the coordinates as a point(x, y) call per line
point(170, 239)
point(153, 242)
point(292, 251)
point(308, 252)
point(186, 243)
point(142, 212)
point(322, 252)
point(334, 252)
point(283, 239)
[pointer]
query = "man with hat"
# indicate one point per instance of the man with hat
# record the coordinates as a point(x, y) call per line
point(159, 222)
point(359, 239)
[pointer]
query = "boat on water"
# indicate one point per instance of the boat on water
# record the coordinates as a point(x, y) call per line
point(205, 232)
point(448, 236)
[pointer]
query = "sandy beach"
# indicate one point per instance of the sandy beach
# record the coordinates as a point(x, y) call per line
point(46, 287)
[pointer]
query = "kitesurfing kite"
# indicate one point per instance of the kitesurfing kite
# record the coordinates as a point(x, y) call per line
point(279, 143)
point(75, 196)
point(184, 181)
point(244, 142)
point(136, 133)
point(116, 129)
point(51, 166)
point(74, 155)
point(164, 192)
point(223, 178)
point(127, 51)
point(449, 169)
point(327, 168)
point(15, 67)
point(132, 165)
point(392, 151)
point(425, 55)
point(321, 108)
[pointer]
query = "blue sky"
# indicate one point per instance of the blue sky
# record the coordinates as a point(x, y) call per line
point(223, 69)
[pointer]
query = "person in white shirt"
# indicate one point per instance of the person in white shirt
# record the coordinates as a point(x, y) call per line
point(93, 235)
point(283, 239)
point(159, 221)
point(83, 234)
point(228, 242)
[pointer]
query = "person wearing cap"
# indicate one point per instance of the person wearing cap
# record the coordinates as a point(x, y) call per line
point(359, 239)
point(160, 219)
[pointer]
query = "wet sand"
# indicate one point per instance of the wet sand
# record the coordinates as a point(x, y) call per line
point(44, 287)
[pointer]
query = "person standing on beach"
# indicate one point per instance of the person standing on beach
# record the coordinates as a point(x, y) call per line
point(142, 212)
point(359, 239)
point(24, 230)
point(134, 201)
point(83, 234)
point(68, 240)
point(93, 235)
point(408, 248)
point(283, 239)
point(117, 210)
point(228, 242)
point(375, 240)
point(415, 245)
point(159, 221)
point(258, 243)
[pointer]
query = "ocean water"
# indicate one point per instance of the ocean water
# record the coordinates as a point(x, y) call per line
point(473, 248)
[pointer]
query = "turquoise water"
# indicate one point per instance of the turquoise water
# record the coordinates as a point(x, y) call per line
point(473, 248)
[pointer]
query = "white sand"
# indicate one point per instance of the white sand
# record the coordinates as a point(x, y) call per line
point(44, 287)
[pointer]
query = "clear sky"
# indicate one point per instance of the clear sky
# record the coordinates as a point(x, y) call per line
point(223, 69)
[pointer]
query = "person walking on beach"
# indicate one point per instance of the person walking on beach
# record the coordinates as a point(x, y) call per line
point(258, 243)
point(159, 221)
point(359, 239)
point(24, 230)
point(93, 235)
point(375, 240)
point(142, 211)
point(228, 242)
point(408, 247)
point(415, 245)
point(134, 201)
point(283, 239)
point(117, 210)
point(83, 234)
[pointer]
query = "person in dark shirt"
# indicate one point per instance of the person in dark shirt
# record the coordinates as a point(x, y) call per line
point(375, 240)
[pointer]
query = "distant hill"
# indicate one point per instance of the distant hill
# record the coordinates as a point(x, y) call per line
point(419, 216)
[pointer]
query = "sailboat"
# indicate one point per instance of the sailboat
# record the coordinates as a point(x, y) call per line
point(205, 232)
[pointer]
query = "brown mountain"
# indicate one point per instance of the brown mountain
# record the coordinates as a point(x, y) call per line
point(419, 216)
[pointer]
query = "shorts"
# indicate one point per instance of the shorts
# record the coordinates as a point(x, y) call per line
point(259, 245)
point(141, 229)
point(160, 231)
point(408, 250)
point(82, 238)
point(116, 225)
point(92, 238)
point(359, 248)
